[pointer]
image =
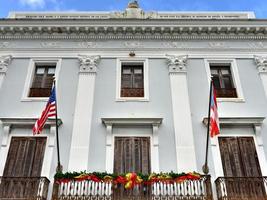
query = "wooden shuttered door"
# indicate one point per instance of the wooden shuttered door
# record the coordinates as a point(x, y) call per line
point(23, 168)
point(239, 157)
point(132, 154)
point(25, 157)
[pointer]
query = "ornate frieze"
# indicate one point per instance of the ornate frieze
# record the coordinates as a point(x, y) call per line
point(175, 44)
point(217, 45)
point(133, 44)
point(87, 44)
point(4, 62)
point(176, 63)
point(261, 63)
point(88, 64)
point(5, 44)
point(50, 44)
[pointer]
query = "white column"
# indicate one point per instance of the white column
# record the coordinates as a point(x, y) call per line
point(155, 150)
point(261, 63)
point(79, 151)
point(109, 155)
point(4, 62)
point(4, 147)
point(50, 153)
point(260, 149)
point(184, 140)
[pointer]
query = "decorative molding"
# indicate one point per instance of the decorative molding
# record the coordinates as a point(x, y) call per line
point(261, 63)
point(176, 63)
point(135, 30)
point(4, 62)
point(88, 64)
point(112, 36)
point(240, 121)
point(132, 121)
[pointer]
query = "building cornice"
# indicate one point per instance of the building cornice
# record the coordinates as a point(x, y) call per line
point(26, 121)
point(134, 29)
point(238, 121)
point(132, 121)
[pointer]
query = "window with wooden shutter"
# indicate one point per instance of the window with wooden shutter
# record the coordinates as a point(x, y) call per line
point(42, 81)
point(132, 80)
point(132, 154)
point(223, 81)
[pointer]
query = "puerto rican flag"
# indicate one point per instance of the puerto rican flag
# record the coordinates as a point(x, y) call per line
point(214, 118)
point(49, 111)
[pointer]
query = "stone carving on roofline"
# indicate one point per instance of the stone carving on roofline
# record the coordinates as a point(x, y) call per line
point(4, 62)
point(88, 64)
point(176, 63)
point(261, 63)
point(132, 11)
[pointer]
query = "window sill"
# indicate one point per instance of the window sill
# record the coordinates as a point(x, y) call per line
point(230, 99)
point(31, 99)
point(124, 99)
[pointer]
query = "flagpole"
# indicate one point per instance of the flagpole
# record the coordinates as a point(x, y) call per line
point(205, 167)
point(59, 166)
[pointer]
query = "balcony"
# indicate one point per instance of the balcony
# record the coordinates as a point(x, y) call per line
point(89, 190)
point(23, 188)
point(226, 93)
point(241, 188)
point(40, 92)
point(132, 92)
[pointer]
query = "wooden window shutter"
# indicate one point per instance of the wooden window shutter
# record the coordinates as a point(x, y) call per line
point(42, 81)
point(132, 80)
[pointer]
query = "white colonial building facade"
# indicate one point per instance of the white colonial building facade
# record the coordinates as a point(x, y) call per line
point(132, 95)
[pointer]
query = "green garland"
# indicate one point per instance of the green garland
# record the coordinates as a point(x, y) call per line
point(102, 175)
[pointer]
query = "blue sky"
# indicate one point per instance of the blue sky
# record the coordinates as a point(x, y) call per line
point(258, 6)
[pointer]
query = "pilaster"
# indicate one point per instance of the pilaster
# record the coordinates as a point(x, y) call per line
point(184, 140)
point(79, 151)
point(260, 147)
point(4, 62)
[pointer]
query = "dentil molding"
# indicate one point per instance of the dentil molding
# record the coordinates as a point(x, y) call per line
point(4, 62)
point(176, 63)
point(88, 64)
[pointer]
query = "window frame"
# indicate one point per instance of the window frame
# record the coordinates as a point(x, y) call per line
point(235, 77)
point(145, 79)
point(31, 73)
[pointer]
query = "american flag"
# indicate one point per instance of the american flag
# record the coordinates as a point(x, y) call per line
point(49, 111)
point(214, 118)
